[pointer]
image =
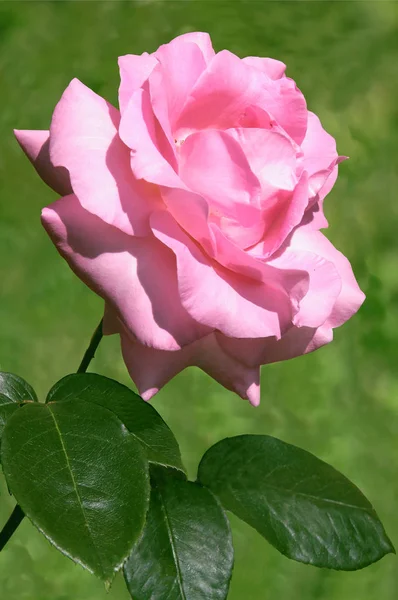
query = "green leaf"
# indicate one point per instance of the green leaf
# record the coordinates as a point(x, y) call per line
point(304, 507)
point(13, 391)
point(140, 418)
point(80, 477)
point(185, 552)
point(7, 407)
point(16, 388)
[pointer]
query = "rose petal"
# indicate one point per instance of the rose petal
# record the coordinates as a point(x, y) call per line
point(199, 38)
point(151, 369)
point(36, 145)
point(350, 297)
point(84, 140)
point(325, 285)
point(181, 64)
point(191, 212)
point(320, 160)
point(229, 86)
point(284, 212)
point(220, 96)
point(214, 165)
point(134, 71)
point(295, 342)
point(223, 300)
point(140, 131)
point(319, 147)
point(135, 276)
point(275, 69)
point(270, 154)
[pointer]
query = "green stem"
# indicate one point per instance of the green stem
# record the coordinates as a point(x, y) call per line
point(17, 514)
point(90, 352)
point(9, 528)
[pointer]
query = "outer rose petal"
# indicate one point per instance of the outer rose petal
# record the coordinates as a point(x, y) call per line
point(325, 285)
point(84, 139)
point(134, 71)
point(301, 340)
point(36, 145)
point(135, 276)
point(319, 147)
point(151, 369)
point(320, 160)
point(295, 342)
point(351, 297)
point(220, 299)
point(275, 69)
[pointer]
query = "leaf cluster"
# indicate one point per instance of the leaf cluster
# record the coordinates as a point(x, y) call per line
point(98, 471)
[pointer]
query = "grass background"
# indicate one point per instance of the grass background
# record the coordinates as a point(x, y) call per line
point(340, 403)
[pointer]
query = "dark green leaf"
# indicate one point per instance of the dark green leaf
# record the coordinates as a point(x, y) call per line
point(140, 418)
point(7, 407)
point(15, 388)
point(304, 507)
point(80, 477)
point(185, 552)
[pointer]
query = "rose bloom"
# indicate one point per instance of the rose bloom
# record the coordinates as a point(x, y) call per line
point(194, 211)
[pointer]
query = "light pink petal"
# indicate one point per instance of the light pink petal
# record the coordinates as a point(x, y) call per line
point(244, 229)
point(151, 369)
point(180, 65)
point(135, 276)
point(134, 71)
point(84, 139)
point(319, 147)
point(350, 297)
point(191, 211)
point(229, 87)
point(220, 96)
point(36, 145)
point(271, 155)
point(285, 211)
point(289, 108)
point(199, 38)
point(330, 180)
point(161, 126)
point(295, 342)
point(235, 305)
point(214, 165)
point(290, 285)
point(275, 69)
point(257, 118)
point(141, 132)
point(321, 184)
point(325, 284)
point(320, 158)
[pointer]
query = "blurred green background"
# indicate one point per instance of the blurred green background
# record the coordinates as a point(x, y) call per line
point(340, 403)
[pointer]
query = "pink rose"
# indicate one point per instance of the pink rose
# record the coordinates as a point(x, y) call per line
point(194, 211)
